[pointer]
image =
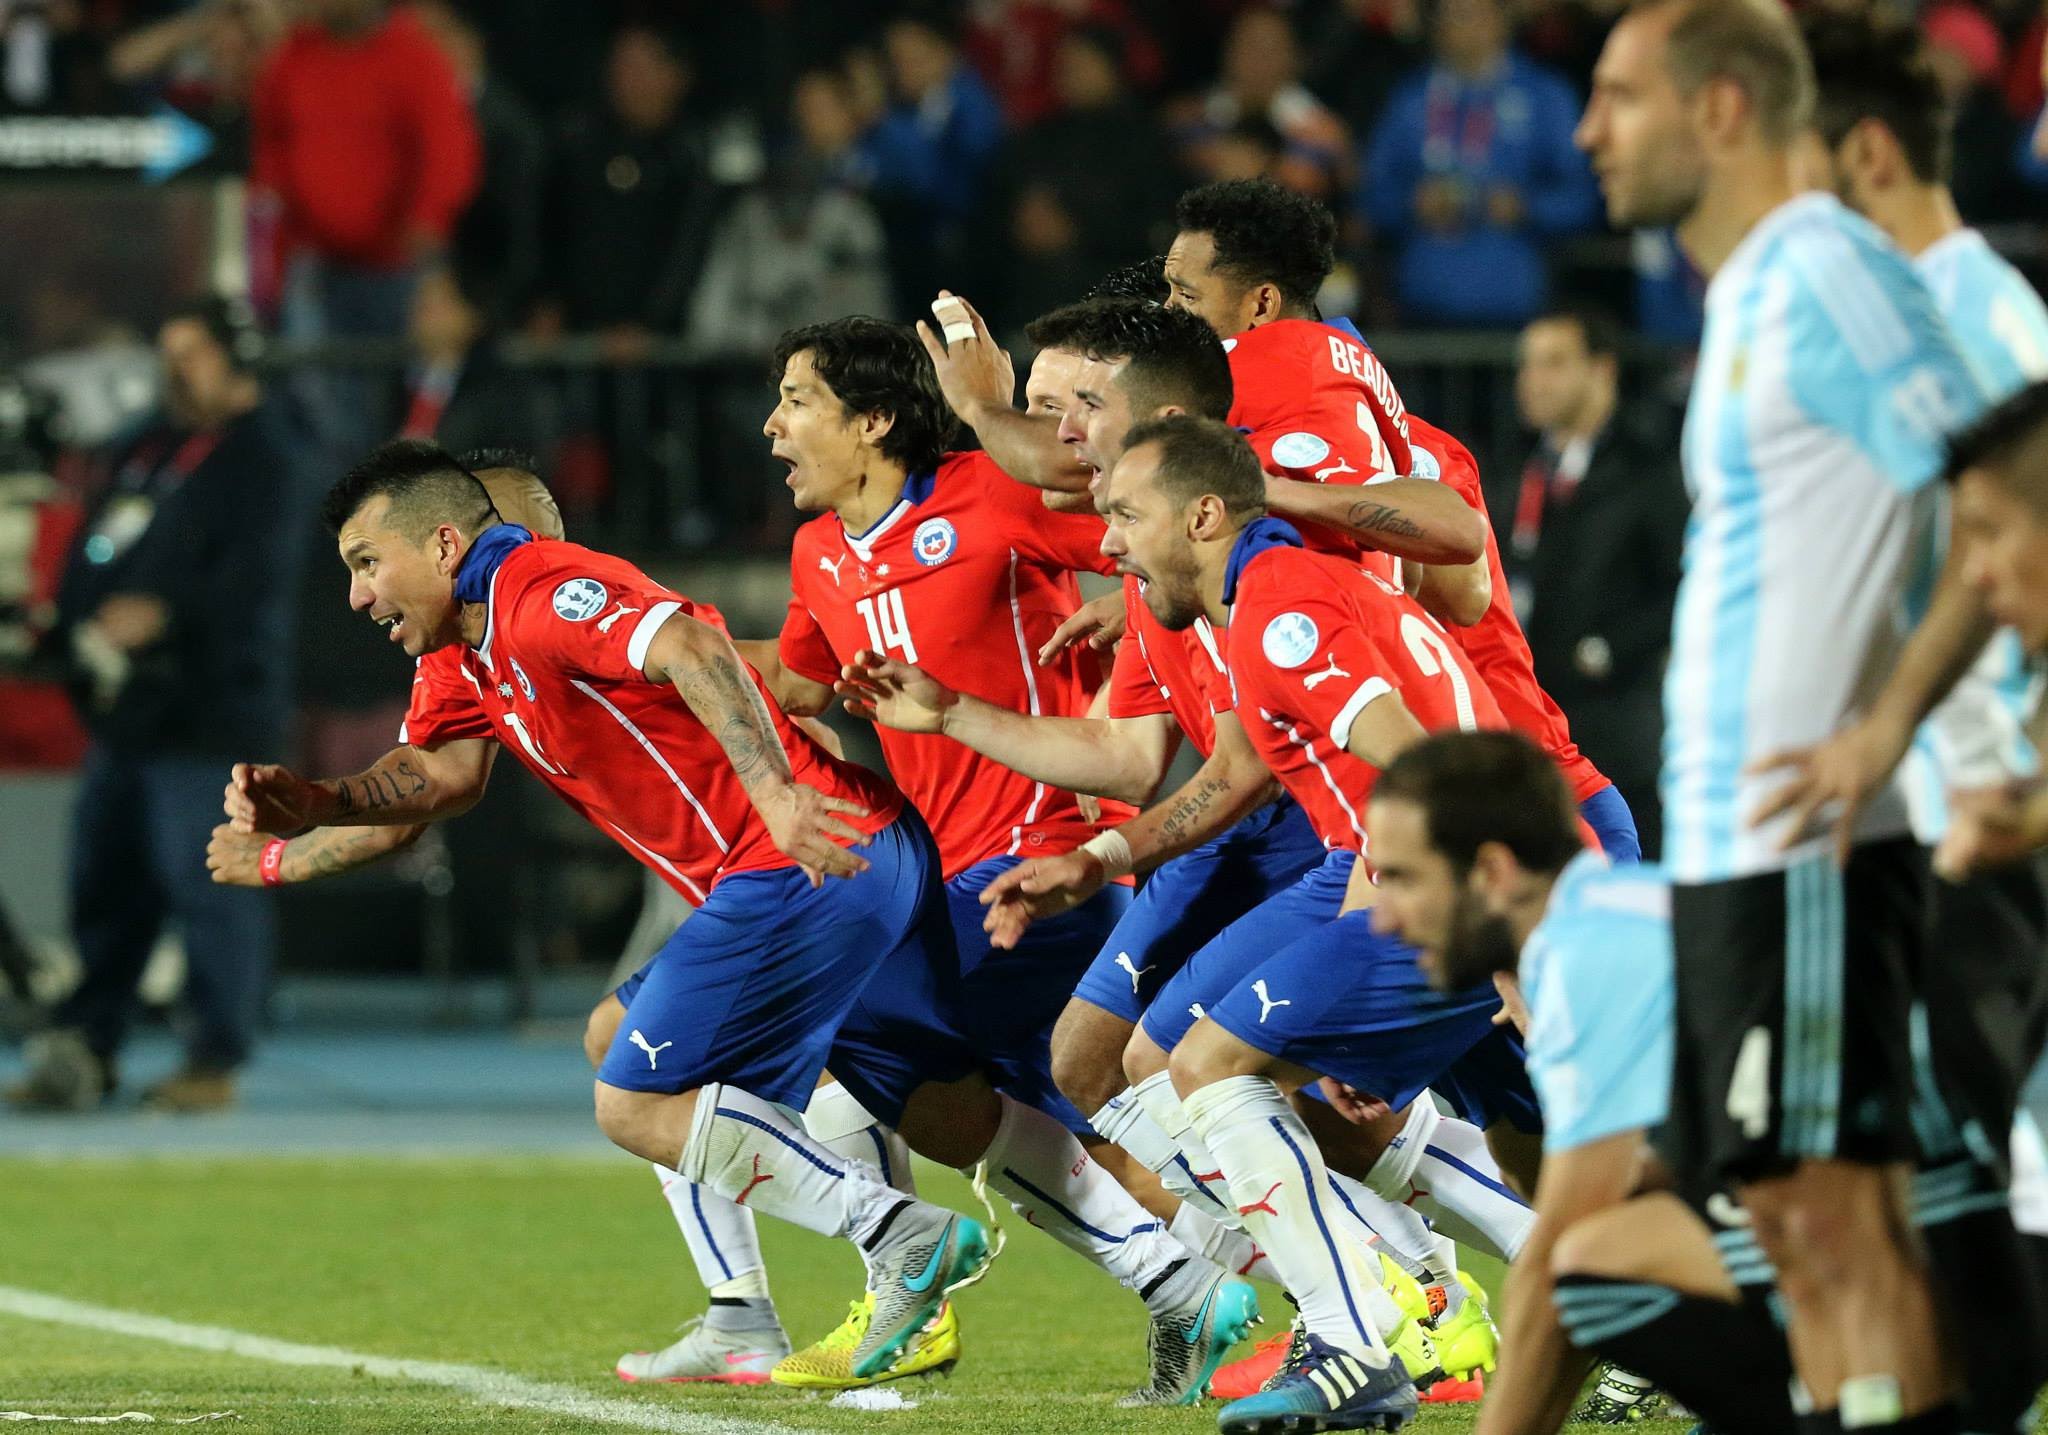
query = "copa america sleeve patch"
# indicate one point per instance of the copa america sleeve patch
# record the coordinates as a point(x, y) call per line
point(580, 599)
point(1300, 450)
point(1290, 640)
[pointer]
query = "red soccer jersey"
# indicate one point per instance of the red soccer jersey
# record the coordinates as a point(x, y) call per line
point(967, 576)
point(559, 670)
point(1154, 674)
point(1317, 407)
point(1495, 643)
point(1312, 640)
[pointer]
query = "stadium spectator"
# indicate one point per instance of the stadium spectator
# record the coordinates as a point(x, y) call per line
point(1593, 553)
point(1358, 50)
point(1084, 180)
point(456, 390)
point(173, 620)
point(366, 147)
point(1262, 79)
point(203, 62)
point(1969, 59)
point(803, 246)
point(496, 247)
point(631, 211)
point(1015, 44)
point(929, 153)
point(1471, 172)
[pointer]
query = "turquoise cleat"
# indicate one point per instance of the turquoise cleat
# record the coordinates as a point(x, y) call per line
point(1323, 1388)
point(1190, 1341)
point(910, 1279)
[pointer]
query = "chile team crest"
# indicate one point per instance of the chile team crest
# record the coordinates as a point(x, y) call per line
point(934, 541)
point(525, 683)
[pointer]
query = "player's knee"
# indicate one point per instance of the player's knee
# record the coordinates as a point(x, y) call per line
point(600, 1029)
point(1592, 1246)
point(1208, 1054)
point(1143, 1058)
point(1084, 1055)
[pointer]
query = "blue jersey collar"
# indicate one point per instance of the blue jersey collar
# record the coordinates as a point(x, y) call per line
point(1252, 540)
point(492, 547)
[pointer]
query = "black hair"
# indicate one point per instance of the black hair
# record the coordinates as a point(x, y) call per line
point(1144, 280)
point(669, 38)
point(427, 486)
point(875, 367)
point(1171, 357)
point(940, 19)
point(1871, 69)
point(1480, 787)
point(477, 460)
point(1105, 40)
point(1264, 234)
point(229, 321)
point(2003, 434)
point(1199, 456)
point(1598, 328)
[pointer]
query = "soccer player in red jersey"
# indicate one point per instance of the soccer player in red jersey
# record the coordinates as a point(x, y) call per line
point(1334, 672)
point(822, 937)
point(1248, 258)
point(940, 559)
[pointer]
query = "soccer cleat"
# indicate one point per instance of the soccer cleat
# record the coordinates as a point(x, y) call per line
point(1418, 1304)
point(1249, 1375)
point(1323, 1388)
point(910, 1277)
point(1188, 1343)
point(717, 1357)
point(828, 1365)
point(1456, 1392)
point(1467, 1340)
point(1418, 1353)
point(1621, 1398)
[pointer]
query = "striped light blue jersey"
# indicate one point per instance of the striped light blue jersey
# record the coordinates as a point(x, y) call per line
point(1977, 737)
point(1597, 976)
point(1825, 389)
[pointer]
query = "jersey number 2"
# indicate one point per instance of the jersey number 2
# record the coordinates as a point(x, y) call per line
point(1433, 655)
point(887, 626)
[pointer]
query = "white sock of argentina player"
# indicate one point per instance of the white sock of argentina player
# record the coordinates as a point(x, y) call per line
point(720, 1236)
point(837, 1120)
point(755, 1154)
point(1044, 1172)
point(1444, 1161)
point(1148, 1121)
point(1282, 1193)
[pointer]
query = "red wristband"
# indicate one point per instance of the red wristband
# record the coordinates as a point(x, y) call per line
point(271, 865)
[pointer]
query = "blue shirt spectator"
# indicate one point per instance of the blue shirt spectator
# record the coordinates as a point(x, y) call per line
point(1471, 171)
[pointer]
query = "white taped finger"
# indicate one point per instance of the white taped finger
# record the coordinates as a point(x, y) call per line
point(952, 316)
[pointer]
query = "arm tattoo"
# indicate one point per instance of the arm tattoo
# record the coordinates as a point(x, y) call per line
point(330, 851)
point(378, 788)
point(1189, 808)
point(725, 700)
point(1365, 516)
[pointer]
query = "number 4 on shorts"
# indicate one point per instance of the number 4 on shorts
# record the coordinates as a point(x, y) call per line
point(1749, 1089)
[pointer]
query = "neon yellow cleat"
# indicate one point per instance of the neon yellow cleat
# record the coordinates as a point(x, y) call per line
point(828, 1365)
point(1407, 1291)
point(1411, 1341)
point(1467, 1340)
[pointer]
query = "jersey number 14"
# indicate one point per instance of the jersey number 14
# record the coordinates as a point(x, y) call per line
point(887, 626)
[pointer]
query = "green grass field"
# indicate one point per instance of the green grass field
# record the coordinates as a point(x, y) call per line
point(541, 1269)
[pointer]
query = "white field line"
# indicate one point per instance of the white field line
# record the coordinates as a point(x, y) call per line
point(492, 1387)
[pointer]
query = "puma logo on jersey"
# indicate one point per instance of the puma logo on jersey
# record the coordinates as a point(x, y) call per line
point(612, 617)
point(1266, 1002)
point(1333, 671)
point(1123, 959)
point(1342, 465)
point(652, 1051)
point(832, 566)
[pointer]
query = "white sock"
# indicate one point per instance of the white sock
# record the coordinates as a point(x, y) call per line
point(836, 1120)
point(720, 1236)
point(1057, 1187)
point(1282, 1192)
point(1443, 1262)
point(757, 1155)
point(1473, 1205)
point(1399, 1231)
point(1227, 1246)
point(1192, 1172)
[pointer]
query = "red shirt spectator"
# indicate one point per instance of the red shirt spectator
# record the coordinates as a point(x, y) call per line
point(365, 137)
